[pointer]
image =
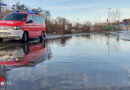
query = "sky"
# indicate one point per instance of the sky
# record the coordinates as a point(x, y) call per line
point(79, 10)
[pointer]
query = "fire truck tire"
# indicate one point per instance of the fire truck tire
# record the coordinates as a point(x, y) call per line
point(42, 37)
point(25, 37)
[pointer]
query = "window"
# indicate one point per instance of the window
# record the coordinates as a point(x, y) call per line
point(15, 17)
point(36, 20)
point(30, 18)
point(39, 20)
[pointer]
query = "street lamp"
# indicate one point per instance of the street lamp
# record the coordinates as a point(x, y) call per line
point(109, 15)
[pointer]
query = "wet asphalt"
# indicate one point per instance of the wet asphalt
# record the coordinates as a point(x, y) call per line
point(92, 61)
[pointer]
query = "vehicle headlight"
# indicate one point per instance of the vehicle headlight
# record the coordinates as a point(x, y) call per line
point(17, 28)
point(16, 59)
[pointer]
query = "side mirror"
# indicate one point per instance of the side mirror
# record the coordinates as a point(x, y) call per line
point(30, 21)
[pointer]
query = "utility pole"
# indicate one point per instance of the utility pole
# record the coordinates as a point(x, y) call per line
point(0, 9)
point(109, 15)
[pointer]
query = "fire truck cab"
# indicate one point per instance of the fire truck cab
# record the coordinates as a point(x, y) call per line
point(22, 25)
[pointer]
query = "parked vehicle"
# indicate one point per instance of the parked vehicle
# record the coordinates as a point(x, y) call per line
point(22, 25)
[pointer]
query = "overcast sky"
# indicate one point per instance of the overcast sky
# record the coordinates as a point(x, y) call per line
point(80, 10)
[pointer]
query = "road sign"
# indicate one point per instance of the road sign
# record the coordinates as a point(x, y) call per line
point(2, 4)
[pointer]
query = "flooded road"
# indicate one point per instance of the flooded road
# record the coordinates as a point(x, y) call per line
point(89, 62)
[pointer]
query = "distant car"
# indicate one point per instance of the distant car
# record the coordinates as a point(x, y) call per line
point(123, 27)
point(22, 25)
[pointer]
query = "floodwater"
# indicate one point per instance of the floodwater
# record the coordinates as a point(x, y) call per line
point(89, 62)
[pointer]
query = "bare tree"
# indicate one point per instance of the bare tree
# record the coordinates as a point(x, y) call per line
point(115, 15)
point(20, 7)
point(46, 14)
point(38, 10)
point(115, 19)
point(64, 24)
point(86, 27)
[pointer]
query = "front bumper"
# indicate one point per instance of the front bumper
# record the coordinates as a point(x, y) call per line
point(11, 34)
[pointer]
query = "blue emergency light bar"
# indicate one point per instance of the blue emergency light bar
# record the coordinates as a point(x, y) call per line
point(31, 12)
point(15, 11)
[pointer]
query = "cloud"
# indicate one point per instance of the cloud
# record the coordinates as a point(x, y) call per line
point(72, 7)
point(124, 10)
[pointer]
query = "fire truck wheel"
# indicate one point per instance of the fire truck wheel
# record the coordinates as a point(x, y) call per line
point(42, 37)
point(25, 37)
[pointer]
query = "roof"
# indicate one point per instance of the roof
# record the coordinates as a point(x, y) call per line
point(20, 12)
point(26, 13)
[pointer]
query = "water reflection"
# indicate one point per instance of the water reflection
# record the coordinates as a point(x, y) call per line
point(23, 55)
point(19, 55)
point(60, 41)
point(89, 62)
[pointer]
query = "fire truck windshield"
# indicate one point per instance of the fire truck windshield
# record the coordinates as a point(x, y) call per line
point(15, 17)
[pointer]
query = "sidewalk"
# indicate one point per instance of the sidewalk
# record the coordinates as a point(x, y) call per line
point(65, 35)
point(125, 35)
